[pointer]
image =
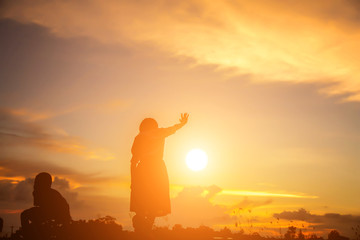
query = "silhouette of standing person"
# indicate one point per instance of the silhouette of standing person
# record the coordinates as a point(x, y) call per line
point(149, 179)
point(49, 205)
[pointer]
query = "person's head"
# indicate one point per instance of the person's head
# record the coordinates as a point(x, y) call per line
point(43, 180)
point(148, 124)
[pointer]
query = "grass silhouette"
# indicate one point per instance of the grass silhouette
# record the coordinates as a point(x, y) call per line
point(106, 228)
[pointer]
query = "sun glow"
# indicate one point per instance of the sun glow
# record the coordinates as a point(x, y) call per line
point(196, 160)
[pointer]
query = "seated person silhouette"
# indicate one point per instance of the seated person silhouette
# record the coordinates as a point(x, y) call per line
point(49, 206)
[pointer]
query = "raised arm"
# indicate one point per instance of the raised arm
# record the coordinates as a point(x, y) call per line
point(171, 130)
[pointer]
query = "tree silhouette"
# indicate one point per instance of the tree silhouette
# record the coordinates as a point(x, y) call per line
point(335, 235)
point(301, 236)
point(290, 234)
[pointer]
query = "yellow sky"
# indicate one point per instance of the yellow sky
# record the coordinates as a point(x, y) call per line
point(271, 87)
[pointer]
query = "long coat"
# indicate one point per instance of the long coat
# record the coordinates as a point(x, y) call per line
point(149, 177)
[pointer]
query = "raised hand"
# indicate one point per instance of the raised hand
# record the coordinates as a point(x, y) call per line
point(184, 118)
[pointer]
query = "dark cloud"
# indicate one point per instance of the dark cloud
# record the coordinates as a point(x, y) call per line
point(21, 191)
point(354, 4)
point(63, 186)
point(32, 56)
point(6, 189)
point(301, 215)
point(304, 215)
point(341, 222)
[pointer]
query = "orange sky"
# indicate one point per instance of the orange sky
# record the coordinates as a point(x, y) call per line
point(271, 87)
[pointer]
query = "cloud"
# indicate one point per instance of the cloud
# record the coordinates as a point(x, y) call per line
point(28, 148)
point(30, 115)
point(16, 131)
point(304, 215)
point(10, 191)
point(15, 167)
point(63, 186)
point(194, 206)
point(264, 194)
point(301, 214)
point(21, 191)
point(341, 222)
point(106, 107)
point(287, 41)
point(248, 204)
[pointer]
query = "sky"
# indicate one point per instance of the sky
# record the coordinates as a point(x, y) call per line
point(272, 89)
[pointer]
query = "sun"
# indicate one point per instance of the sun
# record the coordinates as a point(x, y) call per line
point(196, 160)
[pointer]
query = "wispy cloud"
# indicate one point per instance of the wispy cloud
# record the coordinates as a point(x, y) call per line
point(16, 169)
point(17, 131)
point(264, 194)
point(287, 41)
point(30, 115)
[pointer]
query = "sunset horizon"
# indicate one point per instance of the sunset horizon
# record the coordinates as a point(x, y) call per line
point(272, 91)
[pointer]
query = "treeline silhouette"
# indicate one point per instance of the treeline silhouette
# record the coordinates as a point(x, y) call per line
point(106, 228)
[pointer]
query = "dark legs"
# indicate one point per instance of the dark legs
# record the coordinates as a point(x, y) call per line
point(150, 220)
point(142, 223)
point(30, 222)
